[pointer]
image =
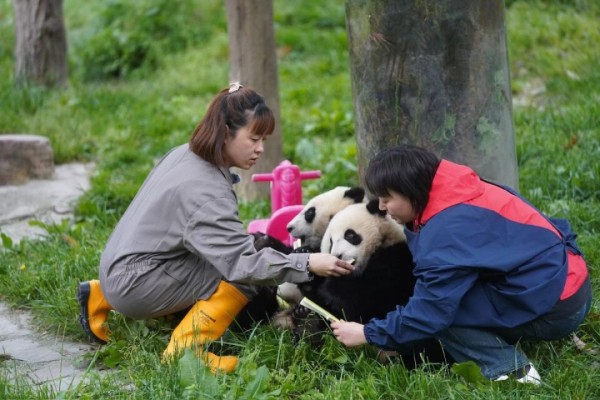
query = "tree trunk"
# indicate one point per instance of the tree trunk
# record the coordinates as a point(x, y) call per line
point(253, 62)
point(41, 43)
point(434, 74)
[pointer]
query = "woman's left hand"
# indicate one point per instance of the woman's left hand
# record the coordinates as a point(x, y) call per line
point(350, 334)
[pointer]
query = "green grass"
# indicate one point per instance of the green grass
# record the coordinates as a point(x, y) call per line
point(124, 125)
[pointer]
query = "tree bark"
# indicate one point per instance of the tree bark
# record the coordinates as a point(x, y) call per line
point(434, 74)
point(253, 62)
point(41, 43)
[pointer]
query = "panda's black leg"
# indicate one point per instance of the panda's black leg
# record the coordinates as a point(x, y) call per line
point(299, 315)
point(308, 326)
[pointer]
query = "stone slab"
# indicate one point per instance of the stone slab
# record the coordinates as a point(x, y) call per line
point(49, 201)
point(23, 157)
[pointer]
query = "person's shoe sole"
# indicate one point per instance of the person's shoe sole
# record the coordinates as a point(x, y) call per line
point(83, 296)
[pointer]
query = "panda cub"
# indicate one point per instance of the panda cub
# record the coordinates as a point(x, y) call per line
point(382, 278)
point(310, 224)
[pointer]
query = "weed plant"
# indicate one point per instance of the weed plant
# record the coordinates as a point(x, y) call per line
point(141, 75)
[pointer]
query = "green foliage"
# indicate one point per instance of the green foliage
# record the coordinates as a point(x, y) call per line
point(131, 35)
point(198, 382)
point(470, 372)
point(308, 109)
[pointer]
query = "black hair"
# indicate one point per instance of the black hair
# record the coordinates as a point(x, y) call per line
point(407, 170)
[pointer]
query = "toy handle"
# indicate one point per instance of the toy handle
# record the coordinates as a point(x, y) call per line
point(310, 175)
point(262, 177)
point(268, 177)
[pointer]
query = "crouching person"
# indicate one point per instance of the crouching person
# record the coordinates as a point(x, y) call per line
point(490, 268)
point(180, 244)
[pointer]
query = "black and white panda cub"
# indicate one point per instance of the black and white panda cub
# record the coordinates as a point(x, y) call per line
point(382, 278)
point(309, 226)
point(311, 223)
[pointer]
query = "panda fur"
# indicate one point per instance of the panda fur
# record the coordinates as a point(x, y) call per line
point(311, 223)
point(264, 305)
point(382, 278)
point(381, 281)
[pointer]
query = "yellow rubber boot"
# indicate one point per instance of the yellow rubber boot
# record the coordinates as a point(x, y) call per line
point(207, 320)
point(93, 310)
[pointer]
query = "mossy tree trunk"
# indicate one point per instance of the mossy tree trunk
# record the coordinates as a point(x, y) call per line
point(253, 62)
point(41, 43)
point(434, 74)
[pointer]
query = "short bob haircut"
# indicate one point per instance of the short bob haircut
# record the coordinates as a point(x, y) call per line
point(230, 110)
point(407, 170)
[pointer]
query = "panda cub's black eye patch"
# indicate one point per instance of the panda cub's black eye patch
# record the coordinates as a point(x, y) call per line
point(352, 237)
point(310, 214)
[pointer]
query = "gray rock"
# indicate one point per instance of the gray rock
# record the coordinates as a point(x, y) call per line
point(24, 157)
point(48, 201)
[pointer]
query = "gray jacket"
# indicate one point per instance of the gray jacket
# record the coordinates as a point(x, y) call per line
point(187, 205)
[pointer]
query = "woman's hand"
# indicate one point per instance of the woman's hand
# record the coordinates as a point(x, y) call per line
point(323, 264)
point(350, 334)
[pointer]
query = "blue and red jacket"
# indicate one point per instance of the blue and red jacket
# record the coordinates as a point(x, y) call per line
point(484, 257)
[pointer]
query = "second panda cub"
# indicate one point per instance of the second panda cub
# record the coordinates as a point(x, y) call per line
point(311, 223)
point(382, 278)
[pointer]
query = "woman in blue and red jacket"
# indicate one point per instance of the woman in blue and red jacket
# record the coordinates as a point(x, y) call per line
point(491, 269)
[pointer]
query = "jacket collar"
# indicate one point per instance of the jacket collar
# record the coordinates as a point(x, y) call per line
point(452, 184)
point(231, 177)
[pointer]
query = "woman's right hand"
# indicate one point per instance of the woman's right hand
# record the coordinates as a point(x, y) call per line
point(323, 264)
point(350, 334)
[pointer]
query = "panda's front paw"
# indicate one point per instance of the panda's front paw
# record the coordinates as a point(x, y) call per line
point(303, 249)
point(300, 312)
point(262, 240)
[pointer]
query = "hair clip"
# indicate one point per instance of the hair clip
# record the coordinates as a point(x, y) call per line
point(234, 87)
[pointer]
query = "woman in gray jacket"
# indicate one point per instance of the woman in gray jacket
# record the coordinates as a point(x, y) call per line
point(181, 244)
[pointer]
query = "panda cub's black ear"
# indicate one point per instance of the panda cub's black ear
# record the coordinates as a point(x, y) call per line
point(373, 208)
point(356, 193)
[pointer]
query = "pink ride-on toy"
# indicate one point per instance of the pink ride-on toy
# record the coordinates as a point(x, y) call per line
point(286, 199)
